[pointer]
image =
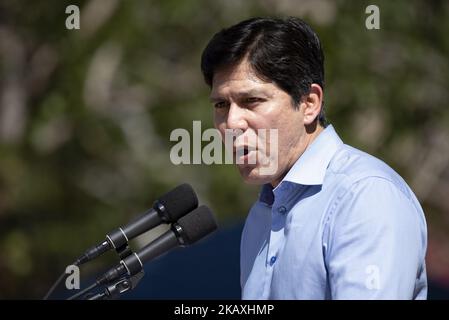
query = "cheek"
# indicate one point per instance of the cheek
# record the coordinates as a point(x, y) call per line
point(270, 115)
point(219, 120)
point(221, 127)
point(289, 130)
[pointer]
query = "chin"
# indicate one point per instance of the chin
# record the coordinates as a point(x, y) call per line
point(251, 175)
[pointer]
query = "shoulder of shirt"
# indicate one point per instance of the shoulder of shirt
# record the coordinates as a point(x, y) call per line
point(354, 166)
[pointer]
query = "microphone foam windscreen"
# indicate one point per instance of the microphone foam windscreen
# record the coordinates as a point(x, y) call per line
point(197, 224)
point(178, 202)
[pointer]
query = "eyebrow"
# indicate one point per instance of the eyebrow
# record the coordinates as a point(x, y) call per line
point(242, 94)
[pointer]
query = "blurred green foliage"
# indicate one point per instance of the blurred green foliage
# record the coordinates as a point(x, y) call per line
point(86, 115)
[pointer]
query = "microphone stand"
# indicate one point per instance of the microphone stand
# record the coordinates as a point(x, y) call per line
point(118, 287)
point(114, 289)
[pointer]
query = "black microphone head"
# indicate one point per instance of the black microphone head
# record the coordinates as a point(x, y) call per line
point(197, 224)
point(177, 202)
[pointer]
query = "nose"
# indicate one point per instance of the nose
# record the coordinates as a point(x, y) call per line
point(236, 118)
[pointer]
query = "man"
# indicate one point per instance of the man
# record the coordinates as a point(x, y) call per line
point(331, 222)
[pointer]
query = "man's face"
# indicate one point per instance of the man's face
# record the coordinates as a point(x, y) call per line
point(245, 103)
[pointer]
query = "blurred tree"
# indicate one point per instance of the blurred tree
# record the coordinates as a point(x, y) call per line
point(86, 115)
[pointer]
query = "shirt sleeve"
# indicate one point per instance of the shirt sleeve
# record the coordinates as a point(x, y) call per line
point(376, 244)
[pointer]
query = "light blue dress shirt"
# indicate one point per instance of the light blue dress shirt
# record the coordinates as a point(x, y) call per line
point(340, 225)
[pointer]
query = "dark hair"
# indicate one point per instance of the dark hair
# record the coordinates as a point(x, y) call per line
point(285, 51)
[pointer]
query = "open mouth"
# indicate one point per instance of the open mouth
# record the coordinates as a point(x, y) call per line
point(244, 155)
point(242, 151)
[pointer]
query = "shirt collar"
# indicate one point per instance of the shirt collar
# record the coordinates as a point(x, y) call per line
point(311, 166)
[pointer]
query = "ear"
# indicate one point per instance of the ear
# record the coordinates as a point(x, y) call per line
point(312, 103)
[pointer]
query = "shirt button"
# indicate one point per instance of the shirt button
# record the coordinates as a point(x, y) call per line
point(282, 210)
point(272, 260)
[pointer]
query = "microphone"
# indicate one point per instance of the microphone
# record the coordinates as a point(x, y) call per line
point(168, 208)
point(189, 229)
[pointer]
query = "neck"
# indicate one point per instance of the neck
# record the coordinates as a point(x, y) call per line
point(310, 136)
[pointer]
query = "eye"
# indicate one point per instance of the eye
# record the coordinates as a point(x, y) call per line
point(220, 104)
point(252, 100)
